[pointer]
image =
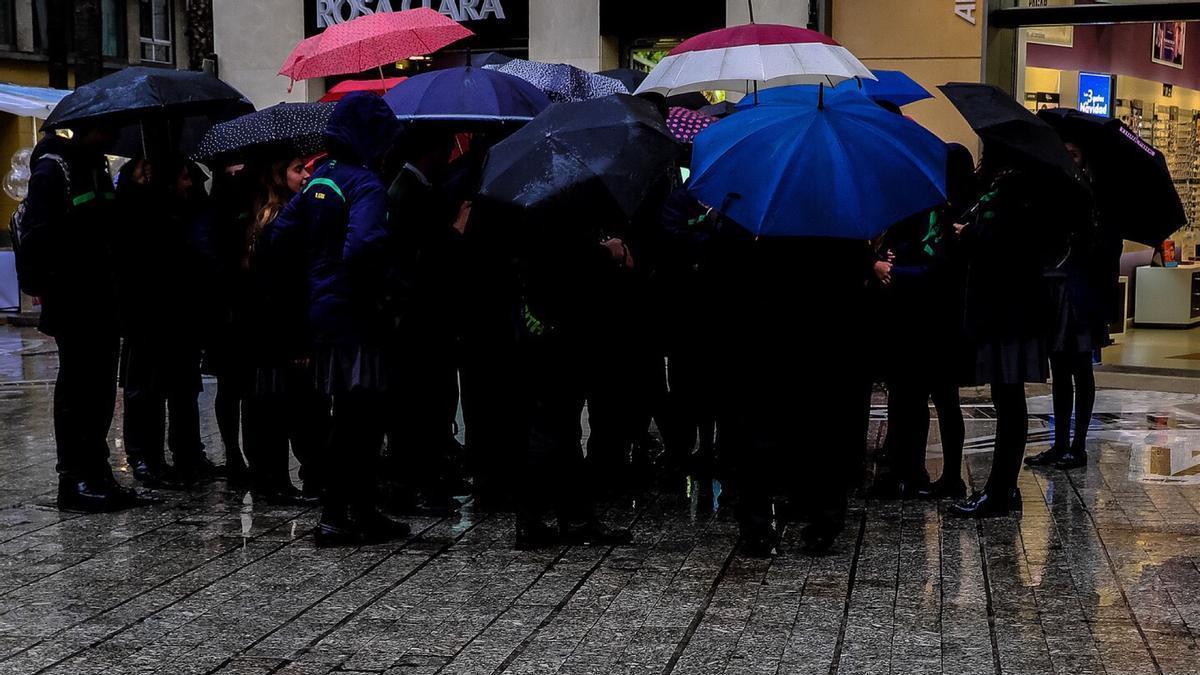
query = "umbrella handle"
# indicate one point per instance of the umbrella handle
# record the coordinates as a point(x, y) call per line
point(750, 6)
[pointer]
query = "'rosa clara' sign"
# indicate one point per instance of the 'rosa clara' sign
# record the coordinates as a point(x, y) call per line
point(330, 12)
point(965, 10)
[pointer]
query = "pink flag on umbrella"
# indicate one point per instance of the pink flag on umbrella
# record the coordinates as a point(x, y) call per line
point(685, 124)
point(371, 41)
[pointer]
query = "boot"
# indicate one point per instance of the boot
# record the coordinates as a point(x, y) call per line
point(337, 528)
point(94, 495)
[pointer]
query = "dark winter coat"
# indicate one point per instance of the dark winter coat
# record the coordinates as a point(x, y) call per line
point(426, 257)
point(339, 227)
point(74, 240)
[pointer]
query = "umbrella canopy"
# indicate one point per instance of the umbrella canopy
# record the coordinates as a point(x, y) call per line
point(562, 82)
point(627, 76)
point(692, 100)
point(1003, 122)
point(1130, 178)
point(375, 86)
point(467, 94)
point(30, 101)
point(895, 87)
point(685, 124)
point(370, 41)
point(719, 110)
point(297, 127)
point(843, 167)
point(135, 93)
point(596, 159)
point(757, 54)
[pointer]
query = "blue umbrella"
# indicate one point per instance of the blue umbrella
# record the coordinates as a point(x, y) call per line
point(466, 94)
point(893, 86)
point(562, 82)
point(833, 165)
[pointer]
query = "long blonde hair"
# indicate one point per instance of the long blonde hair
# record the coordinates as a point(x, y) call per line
point(272, 195)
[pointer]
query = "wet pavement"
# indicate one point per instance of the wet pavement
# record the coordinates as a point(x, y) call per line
point(1099, 575)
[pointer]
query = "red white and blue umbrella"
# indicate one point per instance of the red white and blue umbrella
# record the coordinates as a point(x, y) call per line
point(752, 56)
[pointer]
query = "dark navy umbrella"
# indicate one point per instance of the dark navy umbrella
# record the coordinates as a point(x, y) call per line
point(466, 94)
point(627, 76)
point(892, 86)
point(294, 127)
point(133, 94)
point(834, 165)
point(1130, 178)
point(593, 160)
point(562, 82)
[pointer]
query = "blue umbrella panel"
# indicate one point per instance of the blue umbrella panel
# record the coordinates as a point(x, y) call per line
point(833, 164)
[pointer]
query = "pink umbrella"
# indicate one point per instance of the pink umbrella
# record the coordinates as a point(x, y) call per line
point(371, 41)
point(685, 124)
point(745, 58)
point(339, 91)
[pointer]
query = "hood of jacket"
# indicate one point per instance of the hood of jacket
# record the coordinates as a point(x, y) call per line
point(361, 129)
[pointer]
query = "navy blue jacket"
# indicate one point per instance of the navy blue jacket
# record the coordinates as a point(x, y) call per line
point(338, 227)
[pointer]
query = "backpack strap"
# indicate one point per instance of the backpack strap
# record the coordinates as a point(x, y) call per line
point(325, 182)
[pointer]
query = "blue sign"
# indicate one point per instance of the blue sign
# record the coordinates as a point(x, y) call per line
point(1095, 93)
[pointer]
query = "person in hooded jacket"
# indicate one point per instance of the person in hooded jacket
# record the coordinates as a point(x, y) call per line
point(338, 228)
point(160, 364)
point(67, 258)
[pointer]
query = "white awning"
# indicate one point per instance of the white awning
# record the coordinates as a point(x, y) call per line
point(29, 101)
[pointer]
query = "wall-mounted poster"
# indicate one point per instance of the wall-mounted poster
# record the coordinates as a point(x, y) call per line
point(1169, 42)
point(1057, 36)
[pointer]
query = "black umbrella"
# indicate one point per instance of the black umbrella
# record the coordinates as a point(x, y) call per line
point(171, 135)
point(1131, 181)
point(594, 159)
point(1001, 121)
point(693, 100)
point(296, 127)
point(722, 109)
point(628, 76)
point(133, 94)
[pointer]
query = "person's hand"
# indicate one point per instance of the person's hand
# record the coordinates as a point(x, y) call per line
point(891, 256)
point(464, 214)
point(883, 272)
point(619, 251)
point(958, 229)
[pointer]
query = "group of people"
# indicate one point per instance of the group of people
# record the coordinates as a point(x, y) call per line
point(348, 304)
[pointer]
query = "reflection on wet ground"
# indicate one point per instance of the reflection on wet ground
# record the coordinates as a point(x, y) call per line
point(1099, 575)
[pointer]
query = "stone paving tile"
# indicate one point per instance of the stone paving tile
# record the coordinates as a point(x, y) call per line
point(1100, 574)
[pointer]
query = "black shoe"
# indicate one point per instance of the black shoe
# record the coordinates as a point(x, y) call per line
point(150, 474)
point(944, 488)
point(1047, 457)
point(95, 496)
point(378, 528)
point(284, 494)
point(911, 489)
point(984, 504)
point(336, 528)
point(595, 533)
point(1075, 458)
point(819, 537)
point(532, 535)
point(196, 469)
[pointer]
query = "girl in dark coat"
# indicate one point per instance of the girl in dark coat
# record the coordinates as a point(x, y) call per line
point(283, 406)
point(922, 278)
point(1081, 286)
point(160, 365)
point(338, 228)
point(1005, 232)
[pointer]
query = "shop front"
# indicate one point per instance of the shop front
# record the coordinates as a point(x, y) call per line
point(1132, 62)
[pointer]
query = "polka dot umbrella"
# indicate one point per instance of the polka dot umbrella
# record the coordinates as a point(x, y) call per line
point(293, 127)
point(685, 124)
point(561, 82)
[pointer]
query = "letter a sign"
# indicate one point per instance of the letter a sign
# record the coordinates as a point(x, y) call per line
point(965, 10)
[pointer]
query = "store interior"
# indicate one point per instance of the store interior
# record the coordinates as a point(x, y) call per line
point(1142, 74)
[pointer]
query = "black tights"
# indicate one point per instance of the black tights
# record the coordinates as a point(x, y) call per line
point(1074, 388)
point(1011, 427)
point(952, 428)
